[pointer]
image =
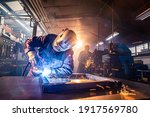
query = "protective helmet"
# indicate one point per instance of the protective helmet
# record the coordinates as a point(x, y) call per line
point(65, 40)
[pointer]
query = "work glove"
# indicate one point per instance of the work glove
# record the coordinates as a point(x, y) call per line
point(35, 62)
point(34, 59)
point(36, 71)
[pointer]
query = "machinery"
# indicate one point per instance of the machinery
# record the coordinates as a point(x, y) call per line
point(118, 62)
point(10, 56)
point(115, 61)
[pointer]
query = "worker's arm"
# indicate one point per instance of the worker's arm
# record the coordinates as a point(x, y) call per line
point(30, 45)
point(29, 49)
point(40, 41)
point(66, 69)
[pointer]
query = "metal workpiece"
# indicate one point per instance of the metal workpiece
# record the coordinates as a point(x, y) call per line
point(78, 83)
point(92, 88)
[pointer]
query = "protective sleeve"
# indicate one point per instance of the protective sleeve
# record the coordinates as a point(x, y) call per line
point(40, 41)
point(30, 44)
point(66, 69)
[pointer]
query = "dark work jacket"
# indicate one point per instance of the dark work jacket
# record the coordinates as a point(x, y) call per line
point(60, 63)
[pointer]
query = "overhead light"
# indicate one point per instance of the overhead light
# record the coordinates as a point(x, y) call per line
point(22, 25)
point(112, 36)
point(9, 13)
point(143, 15)
point(3, 8)
point(101, 43)
point(138, 42)
point(14, 5)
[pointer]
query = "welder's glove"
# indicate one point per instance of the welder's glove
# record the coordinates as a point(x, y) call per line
point(36, 71)
point(34, 59)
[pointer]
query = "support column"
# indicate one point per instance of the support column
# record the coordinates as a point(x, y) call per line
point(35, 29)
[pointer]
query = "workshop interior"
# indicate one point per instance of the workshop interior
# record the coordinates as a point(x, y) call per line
point(111, 58)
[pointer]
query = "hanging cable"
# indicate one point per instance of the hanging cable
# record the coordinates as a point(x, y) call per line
point(23, 73)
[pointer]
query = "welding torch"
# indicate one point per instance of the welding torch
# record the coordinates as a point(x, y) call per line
point(37, 67)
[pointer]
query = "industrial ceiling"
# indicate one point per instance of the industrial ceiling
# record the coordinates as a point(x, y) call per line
point(93, 20)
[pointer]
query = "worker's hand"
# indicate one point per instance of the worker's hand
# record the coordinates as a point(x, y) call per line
point(35, 62)
point(36, 71)
point(34, 59)
point(36, 67)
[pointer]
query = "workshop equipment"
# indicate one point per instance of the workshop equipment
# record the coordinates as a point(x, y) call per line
point(118, 60)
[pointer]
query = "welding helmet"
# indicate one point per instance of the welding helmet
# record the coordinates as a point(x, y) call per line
point(65, 40)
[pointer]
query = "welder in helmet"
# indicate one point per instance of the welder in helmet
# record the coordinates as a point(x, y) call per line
point(51, 53)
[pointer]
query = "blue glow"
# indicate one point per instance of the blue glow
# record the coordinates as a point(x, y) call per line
point(46, 72)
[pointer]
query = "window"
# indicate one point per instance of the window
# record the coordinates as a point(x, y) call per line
point(142, 48)
point(133, 51)
point(39, 32)
point(16, 21)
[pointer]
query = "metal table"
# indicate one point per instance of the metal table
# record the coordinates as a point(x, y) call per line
point(25, 88)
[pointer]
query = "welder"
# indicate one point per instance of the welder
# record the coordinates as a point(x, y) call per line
point(51, 54)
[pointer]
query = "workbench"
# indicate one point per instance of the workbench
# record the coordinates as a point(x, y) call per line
point(27, 88)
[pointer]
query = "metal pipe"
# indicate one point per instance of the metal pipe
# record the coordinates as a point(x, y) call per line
point(38, 10)
point(28, 6)
point(35, 29)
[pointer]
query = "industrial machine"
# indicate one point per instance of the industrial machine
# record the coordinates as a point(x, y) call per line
point(11, 56)
point(118, 62)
